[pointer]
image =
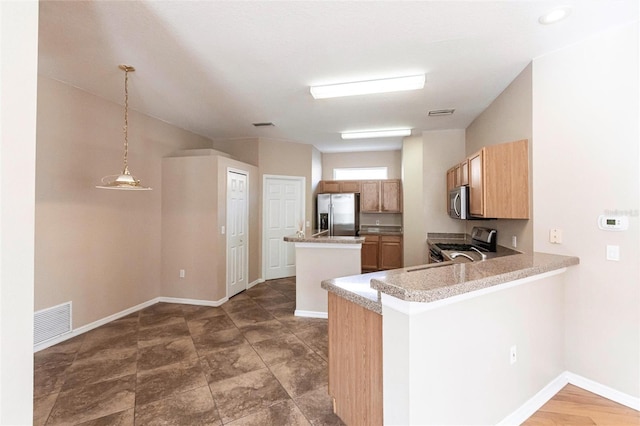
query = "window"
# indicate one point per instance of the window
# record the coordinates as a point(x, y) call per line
point(360, 173)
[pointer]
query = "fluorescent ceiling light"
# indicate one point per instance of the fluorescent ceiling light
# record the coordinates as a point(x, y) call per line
point(555, 15)
point(413, 82)
point(376, 134)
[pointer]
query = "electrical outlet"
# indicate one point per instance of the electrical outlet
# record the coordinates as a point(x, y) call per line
point(513, 355)
point(514, 241)
point(182, 273)
point(555, 236)
point(377, 222)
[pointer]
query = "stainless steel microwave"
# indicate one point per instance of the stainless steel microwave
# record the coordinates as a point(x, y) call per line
point(459, 202)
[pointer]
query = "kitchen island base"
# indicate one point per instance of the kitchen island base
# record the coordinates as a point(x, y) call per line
point(355, 362)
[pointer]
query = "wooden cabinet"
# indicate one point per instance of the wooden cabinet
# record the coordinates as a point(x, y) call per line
point(338, 186)
point(499, 181)
point(369, 253)
point(390, 252)
point(463, 173)
point(380, 252)
point(370, 196)
point(381, 196)
point(451, 184)
point(355, 362)
point(476, 198)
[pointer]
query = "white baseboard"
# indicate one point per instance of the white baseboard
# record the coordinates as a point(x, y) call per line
point(545, 394)
point(535, 402)
point(198, 302)
point(604, 391)
point(310, 314)
point(256, 282)
point(88, 327)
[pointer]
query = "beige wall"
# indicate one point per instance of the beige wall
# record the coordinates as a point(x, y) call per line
point(507, 119)
point(585, 109)
point(18, 85)
point(390, 159)
point(242, 149)
point(442, 149)
point(99, 249)
point(414, 237)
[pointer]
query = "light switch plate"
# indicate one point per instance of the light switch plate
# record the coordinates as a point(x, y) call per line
point(613, 252)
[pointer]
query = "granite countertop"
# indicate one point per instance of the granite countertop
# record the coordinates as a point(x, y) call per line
point(437, 281)
point(321, 237)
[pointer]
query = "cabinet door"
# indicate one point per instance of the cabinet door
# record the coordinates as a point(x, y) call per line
point(369, 254)
point(390, 252)
point(464, 172)
point(370, 196)
point(391, 194)
point(476, 183)
point(350, 186)
point(329, 187)
point(451, 183)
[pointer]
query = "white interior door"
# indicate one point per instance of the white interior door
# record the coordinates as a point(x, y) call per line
point(283, 215)
point(237, 232)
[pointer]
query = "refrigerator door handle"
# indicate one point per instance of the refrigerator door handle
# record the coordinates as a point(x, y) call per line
point(330, 219)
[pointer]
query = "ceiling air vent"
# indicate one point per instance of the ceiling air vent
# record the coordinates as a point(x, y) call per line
point(265, 124)
point(439, 112)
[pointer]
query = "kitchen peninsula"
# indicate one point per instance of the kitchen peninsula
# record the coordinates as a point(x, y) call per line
point(321, 257)
point(433, 344)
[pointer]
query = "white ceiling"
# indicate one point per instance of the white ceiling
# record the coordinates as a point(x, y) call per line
point(216, 67)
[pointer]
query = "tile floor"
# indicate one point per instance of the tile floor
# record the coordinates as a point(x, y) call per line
point(247, 362)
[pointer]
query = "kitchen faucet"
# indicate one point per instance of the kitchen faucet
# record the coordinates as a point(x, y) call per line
point(482, 255)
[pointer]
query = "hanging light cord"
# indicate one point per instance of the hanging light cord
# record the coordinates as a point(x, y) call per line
point(126, 120)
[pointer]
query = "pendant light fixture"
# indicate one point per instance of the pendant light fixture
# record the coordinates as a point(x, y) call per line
point(124, 180)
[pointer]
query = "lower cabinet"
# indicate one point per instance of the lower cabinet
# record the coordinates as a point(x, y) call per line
point(380, 252)
point(355, 362)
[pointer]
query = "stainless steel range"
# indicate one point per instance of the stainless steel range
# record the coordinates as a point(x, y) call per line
point(483, 240)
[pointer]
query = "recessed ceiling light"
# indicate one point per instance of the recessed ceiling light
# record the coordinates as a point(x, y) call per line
point(439, 112)
point(376, 134)
point(555, 15)
point(412, 82)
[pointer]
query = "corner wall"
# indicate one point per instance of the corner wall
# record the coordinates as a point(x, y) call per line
point(442, 149)
point(18, 86)
point(586, 127)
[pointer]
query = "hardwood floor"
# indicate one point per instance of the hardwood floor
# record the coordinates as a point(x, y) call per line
point(575, 406)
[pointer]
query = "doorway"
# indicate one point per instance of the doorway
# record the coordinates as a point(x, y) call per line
point(237, 231)
point(283, 214)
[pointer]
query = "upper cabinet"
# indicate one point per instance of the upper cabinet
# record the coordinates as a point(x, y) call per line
point(337, 186)
point(376, 196)
point(498, 179)
point(457, 175)
point(381, 196)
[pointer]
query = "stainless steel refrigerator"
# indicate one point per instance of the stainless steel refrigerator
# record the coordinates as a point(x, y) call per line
point(339, 213)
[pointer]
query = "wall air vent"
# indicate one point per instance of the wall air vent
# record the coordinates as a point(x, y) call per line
point(51, 322)
point(439, 112)
point(265, 124)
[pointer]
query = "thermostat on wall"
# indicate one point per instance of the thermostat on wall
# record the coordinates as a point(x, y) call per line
point(613, 223)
